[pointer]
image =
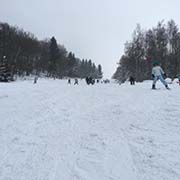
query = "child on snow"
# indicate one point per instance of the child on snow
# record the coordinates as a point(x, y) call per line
point(158, 74)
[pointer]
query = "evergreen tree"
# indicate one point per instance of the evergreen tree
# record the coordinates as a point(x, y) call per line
point(150, 46)
point(5, 74)
point(100, 73)
point(26, 55)
point(54, 55)
point(161, 43)
point(173, 61)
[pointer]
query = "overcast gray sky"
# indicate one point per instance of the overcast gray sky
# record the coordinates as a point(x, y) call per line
point(92, 29)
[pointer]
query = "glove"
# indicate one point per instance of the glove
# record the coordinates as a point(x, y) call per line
point(152, 75)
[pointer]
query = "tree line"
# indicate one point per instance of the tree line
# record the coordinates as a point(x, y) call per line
point(22, 54)
point(160, 43)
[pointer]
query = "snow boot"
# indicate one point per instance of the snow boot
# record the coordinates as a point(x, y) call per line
point(153, 86)
point(167, 87)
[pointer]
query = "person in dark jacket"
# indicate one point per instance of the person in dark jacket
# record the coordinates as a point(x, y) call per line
point(132, 80)
point(76, 81)
point(69, 81)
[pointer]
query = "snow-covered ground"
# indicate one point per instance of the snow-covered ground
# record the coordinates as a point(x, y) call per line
point(55, 131)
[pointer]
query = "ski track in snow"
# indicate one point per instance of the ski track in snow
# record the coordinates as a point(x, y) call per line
point(55, 131)
point(152, 131)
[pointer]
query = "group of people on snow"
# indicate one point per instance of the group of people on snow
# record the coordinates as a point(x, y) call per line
point(76, 82)
point(90, 80)
point(157, 74)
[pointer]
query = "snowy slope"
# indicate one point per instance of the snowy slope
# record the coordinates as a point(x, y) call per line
point(55, 131)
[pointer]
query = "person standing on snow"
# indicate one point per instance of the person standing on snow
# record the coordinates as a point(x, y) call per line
point(158, 74)
point(132, 80)
point(75, 81)
point(69, 81)
point(35, 79)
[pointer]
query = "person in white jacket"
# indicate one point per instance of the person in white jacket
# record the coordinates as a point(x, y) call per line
point(158, 74)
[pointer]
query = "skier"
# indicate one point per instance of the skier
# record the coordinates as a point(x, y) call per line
point(158, 74)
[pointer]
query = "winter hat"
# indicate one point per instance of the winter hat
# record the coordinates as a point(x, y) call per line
point(155, 63)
